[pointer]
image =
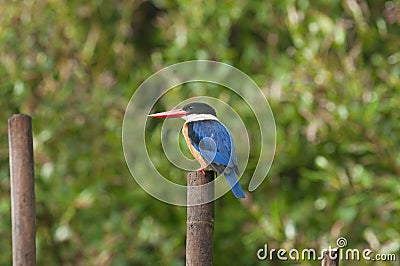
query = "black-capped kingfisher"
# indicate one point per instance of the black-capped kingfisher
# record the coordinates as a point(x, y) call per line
point(209, 141)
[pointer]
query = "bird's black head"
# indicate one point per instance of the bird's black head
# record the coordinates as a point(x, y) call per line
point(199, 108)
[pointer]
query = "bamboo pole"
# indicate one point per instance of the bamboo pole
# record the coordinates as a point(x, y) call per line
point(22, 190)
point(200, 221)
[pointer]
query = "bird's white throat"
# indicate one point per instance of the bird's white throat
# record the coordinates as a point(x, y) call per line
point(199, 117)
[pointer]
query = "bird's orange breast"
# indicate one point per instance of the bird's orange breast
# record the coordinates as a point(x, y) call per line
point(192, 149)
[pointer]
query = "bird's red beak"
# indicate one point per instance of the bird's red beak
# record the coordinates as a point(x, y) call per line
point(170, 114)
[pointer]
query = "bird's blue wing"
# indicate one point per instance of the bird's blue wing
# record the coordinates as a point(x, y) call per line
point(213, 141)
point(207, 149)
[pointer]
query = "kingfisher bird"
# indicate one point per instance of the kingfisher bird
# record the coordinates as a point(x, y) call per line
point(209, 141)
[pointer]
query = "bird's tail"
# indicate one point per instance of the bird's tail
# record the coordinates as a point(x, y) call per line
point(234, 183)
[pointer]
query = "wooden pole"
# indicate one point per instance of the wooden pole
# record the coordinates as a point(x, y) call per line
point(331, 257)
point(200, 221)
point(22, 190)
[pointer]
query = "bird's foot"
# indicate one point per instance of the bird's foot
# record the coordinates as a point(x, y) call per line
point(201, 170)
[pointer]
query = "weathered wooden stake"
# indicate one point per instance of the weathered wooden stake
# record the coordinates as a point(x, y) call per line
point(331, 258)
point(200, 221)
point(22, 190)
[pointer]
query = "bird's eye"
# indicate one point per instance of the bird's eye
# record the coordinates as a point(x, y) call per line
point(190, 107)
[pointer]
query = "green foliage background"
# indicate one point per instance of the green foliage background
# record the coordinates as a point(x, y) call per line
point(331, 73)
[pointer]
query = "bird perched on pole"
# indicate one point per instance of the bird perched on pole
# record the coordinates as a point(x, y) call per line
point(209, 141)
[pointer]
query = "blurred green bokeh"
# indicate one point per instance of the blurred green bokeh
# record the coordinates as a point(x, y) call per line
point(331, 73)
